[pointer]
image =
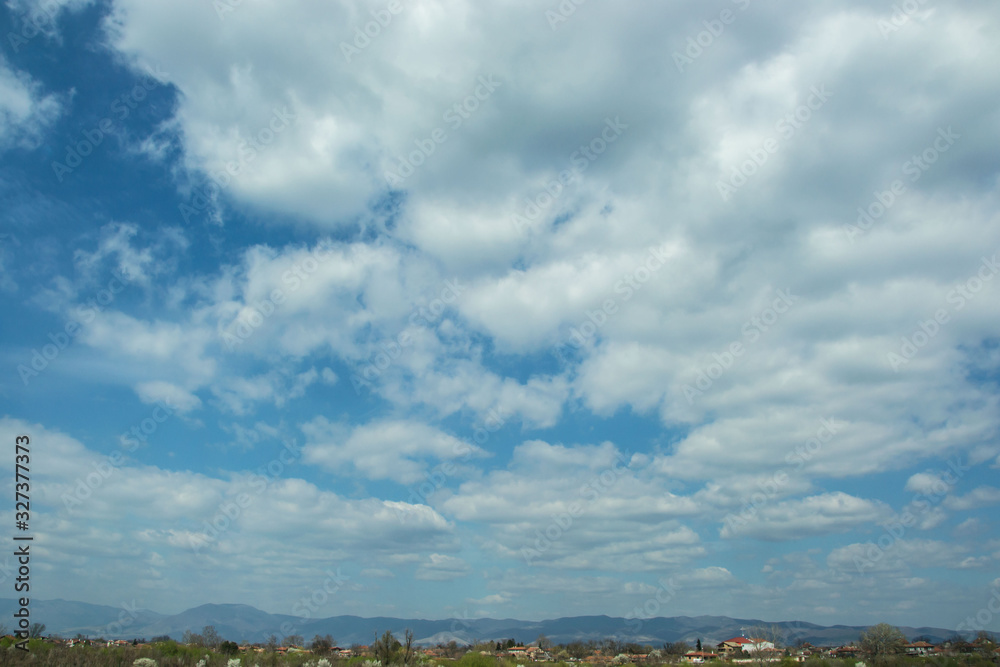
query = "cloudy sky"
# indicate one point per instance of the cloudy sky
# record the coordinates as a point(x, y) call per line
point(519, 309)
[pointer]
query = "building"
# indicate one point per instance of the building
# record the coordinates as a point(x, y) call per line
point(698, 657)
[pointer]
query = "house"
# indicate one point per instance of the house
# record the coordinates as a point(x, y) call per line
point(757, 644)
point(537, 654)
point(698, 657)
point(734, 645)
point(919, 648)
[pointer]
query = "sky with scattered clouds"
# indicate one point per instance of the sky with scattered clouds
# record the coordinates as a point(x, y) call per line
point(510, 309)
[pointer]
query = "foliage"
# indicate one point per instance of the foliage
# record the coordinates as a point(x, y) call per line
point(579, 649)
point(407, 649)
point(475, 659)
point(881, 641)
point(322, 645)
point(144, 662)
point(676, 648)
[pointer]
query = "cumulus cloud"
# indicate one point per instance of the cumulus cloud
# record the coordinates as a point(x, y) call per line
point(814, 515)
point(982, 496)
point(594, 275)
point(25, 110)
point(396, 450)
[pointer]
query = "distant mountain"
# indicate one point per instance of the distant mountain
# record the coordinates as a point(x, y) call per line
point(68, 618)
point(240, 622)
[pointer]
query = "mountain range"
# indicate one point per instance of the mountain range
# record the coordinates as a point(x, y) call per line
point(243, 623)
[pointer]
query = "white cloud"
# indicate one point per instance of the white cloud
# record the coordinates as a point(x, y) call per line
point(173, 396)
point(823, 514)
point(396, 450)
point(982, 496)
point(25, 111)
point(441, 567)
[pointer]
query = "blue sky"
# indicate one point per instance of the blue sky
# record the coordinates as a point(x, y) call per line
point(510, 311)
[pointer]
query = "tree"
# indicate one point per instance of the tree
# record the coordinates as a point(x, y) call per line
point(543, 642)
point(294, 640)
point(408, 647)
point(699, 644)
point(211, 635)
point(881, 641)
point(229, 648)
point(765, 638)
point(385, 648)
point(36, 630)
point(676, 648)
point(160, 638)
point(613, 647)
point(322, 645)
point(985, 643)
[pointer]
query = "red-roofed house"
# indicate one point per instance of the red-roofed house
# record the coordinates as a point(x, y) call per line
point(734, 645)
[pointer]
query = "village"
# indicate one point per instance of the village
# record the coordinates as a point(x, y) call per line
point(889, 649)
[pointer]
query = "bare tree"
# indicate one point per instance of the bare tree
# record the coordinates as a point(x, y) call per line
point(767, 642)
point(408, 647)
point(211, 635)
point(322, 645)
point(880, 642)
point(676, 648)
